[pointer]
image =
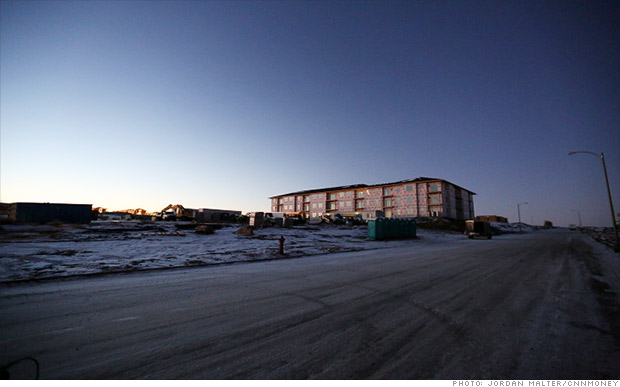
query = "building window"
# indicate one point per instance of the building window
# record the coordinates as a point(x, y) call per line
point(409, 199)
point(313, 205)
point(341, 194)
point(397, 189)
point(320, 205)
point(387, 192)
point(349, 203)
point(387, 202)
point(332, 196)
point(433, 188)
point(349, 193)
point(409, 188)
point(360, 194)
point(378, 191)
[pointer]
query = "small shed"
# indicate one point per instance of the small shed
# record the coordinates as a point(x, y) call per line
point(49, 212)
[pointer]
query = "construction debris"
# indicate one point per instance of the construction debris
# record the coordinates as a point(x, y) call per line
point(245, 231)
point(204, 230)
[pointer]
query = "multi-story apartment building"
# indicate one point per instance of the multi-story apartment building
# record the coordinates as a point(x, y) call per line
point(420, 197)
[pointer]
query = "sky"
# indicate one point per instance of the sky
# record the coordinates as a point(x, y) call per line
point(222, 104)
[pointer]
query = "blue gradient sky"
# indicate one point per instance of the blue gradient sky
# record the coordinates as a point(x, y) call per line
point(223, 104)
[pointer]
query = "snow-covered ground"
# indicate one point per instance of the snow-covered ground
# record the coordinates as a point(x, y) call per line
point(34, 252)
point(507, 228)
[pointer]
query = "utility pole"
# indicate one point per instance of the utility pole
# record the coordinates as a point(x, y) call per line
point(519, 212)
point(579, 214)
point(611, 204)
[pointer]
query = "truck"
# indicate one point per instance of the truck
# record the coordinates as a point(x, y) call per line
point(475, 228)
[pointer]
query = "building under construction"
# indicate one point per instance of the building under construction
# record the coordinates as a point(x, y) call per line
point(420, 197)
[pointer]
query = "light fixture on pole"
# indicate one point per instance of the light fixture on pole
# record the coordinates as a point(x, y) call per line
point(519, 212)
point(579, 214)
point(611, 204)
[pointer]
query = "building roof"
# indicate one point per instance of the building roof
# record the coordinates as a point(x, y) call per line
point(355, 186)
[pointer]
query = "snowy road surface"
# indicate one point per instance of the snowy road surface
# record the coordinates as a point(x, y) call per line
point(541, 305)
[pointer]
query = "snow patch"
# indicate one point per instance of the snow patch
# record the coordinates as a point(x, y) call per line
point(35, 252)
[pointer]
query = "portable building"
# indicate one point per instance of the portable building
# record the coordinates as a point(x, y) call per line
point(50, 212)
point(204, 215)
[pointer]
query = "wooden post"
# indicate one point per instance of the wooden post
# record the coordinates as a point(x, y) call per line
point(281, 251)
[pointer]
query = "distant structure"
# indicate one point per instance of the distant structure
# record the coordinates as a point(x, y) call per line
point(420, 197)
point(4, 212)
point(135, 211)
point(49, 212)
point(491, 218)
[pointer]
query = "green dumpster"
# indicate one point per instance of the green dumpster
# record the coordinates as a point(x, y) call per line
point(392, 228)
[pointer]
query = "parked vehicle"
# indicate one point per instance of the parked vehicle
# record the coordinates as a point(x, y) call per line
point(475, 228)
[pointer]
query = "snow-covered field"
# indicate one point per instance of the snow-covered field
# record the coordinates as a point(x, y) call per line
point(35, 252)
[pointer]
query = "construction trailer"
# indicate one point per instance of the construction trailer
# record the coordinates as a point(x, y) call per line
point(475, 228)
point(49, 212)
point(205, 215)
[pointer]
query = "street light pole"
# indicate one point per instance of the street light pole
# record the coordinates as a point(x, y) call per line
point(611, 204)
point(519, 212)
point(579, 214)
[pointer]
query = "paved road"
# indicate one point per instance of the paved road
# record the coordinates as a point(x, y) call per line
point(528, 306)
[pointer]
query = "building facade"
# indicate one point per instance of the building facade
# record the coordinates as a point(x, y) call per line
point(421, 197)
